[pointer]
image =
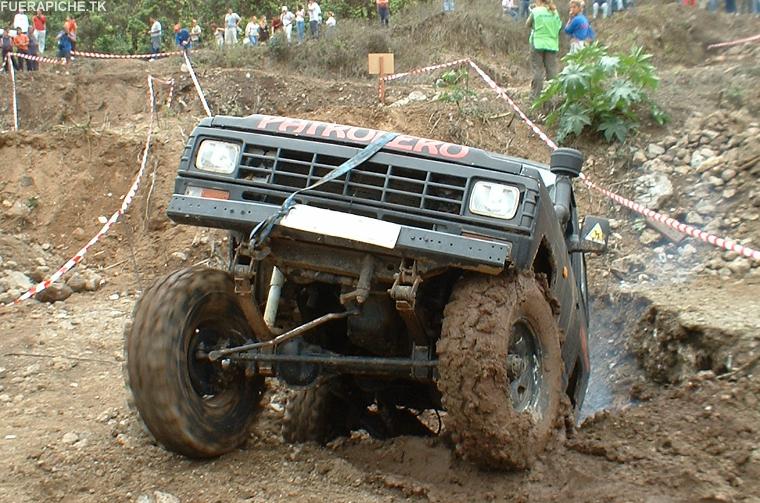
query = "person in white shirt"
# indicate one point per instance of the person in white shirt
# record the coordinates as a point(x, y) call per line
point(231, 21)
point(330, 24)
point(195, 34)
point(315, 17)
point(155, 36)
point(300, 23)
point(287, 19)
point(21, 20)
point(252, 31)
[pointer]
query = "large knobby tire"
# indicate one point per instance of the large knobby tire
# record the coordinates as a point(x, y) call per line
point(500, 369)
point(316, 414)
point(190, 405)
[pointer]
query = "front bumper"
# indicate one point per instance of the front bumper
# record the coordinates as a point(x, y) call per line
point(468, 252)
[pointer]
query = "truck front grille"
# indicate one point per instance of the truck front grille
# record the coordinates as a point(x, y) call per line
point(371, 184)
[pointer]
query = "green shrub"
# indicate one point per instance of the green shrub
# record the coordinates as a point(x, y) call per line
point(454, 87)
point(607, 93)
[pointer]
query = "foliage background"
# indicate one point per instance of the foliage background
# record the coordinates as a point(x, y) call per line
point(123, 27)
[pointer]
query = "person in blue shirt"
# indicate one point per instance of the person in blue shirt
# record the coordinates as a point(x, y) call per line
point(578, 28)
point(64, 44)
point(181, 37)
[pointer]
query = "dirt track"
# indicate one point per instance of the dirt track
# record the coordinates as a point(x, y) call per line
point(66, 433)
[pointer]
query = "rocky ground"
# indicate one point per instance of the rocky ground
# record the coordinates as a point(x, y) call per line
point(672, 410)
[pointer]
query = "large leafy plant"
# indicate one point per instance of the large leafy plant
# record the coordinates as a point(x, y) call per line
point(607, 93)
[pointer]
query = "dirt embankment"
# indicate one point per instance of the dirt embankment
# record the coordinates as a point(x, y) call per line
point(66, 433)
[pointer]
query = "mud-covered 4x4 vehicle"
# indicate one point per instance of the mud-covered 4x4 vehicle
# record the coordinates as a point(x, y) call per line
point(386, 278)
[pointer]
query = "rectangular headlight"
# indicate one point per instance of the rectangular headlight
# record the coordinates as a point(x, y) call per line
point(217, 156)
point(492, 199)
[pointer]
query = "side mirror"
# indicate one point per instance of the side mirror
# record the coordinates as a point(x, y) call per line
point(594, 236)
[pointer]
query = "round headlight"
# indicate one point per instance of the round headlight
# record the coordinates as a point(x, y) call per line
point(217, 156)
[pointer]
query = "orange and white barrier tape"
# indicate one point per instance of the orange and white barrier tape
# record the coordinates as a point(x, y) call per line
point(100, 55)
point(12, 71)
point(426, 69)
point(197, 85)
point(41, 59)
point(77, 258)
point(741, 41)
point(727, 244)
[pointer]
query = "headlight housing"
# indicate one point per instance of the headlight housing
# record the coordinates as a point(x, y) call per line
point(493, 199)
point(217, 156)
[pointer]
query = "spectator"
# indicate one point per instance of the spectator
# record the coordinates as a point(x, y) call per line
point(21, 43)
point(7, 44)
point(690, 3)
point(600, 4)
point(508, 8)
point(448, 5)
point(195, 34)
point(71, 28)
point(731, 6)
point(301, 23)
point(287, 19)
point(34, 50)
point(276, 25)
point(181, 37)
point(330, 24)
point(64, 44)
point(231, 22)
point(383, 12)
point(252, 31)
point(545, 25)
point(218, 32)
point(577, 27)
point(524, 9)
point(155, 36)
point(21, 21)
point(40, 29)
point(263, 30)
point(315, 17)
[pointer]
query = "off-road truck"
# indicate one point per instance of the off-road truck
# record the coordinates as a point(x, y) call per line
point(399, 285)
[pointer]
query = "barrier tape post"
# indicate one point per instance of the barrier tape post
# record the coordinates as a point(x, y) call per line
point(197, 85)
point(13, 84)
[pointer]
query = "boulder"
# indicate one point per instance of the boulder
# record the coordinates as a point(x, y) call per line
point(56, 292)
point(653, 190)
point(654, 150)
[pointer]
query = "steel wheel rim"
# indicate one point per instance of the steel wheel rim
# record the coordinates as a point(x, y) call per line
point(524, 369)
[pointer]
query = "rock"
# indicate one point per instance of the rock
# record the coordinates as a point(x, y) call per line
point(653, 190)
point(639, 158)
point(15, 280)
point(715, 181)
point(657, 165)
point(19, 210)
point(39, 273)
point(688, 251)
point(740, 266)
point(56, 292)
point(5, 398)
point(694, 218)
point(70, 438)
point(728, 193)
point(78, 232)
point(40, 261)
point(31, 370)
point(85, 280)
point(113, 296)
point(649, 237)
point(728, 174)
point(669, 141)
point(181, 256)
point(654, 150)
point(162, 497)
point(705, 208)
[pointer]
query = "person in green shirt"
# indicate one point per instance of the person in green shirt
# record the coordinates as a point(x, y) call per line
point(545, 25)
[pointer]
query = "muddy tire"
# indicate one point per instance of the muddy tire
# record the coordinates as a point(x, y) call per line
point(188, 404)
point(500, 370)
point(316, 414)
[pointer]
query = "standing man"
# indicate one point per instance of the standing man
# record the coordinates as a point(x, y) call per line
point(181, 37)
point(384, 12)
point(21, 20)
point(231, 22)
point(21, 43)
point(155, 37)
point(287, 19)
point(31, 65)
point(40, 29)
point(545, 24)
point(315, 17)
point(448, 5)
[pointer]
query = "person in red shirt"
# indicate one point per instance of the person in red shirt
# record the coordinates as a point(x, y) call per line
point(383, 12)
point(70, 27)
point(40, 28)
point(21, 43)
